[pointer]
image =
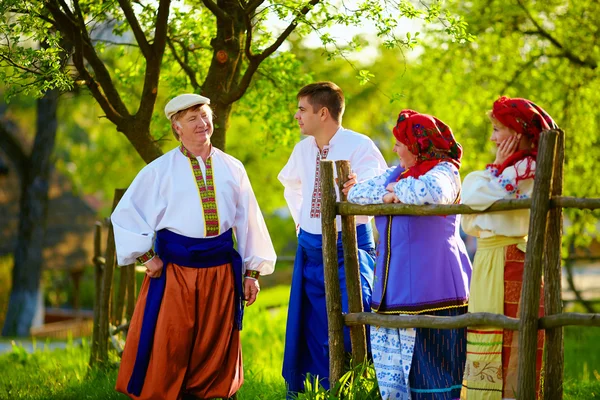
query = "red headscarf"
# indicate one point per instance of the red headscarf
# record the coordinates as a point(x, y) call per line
point(429, 139)
point(527, 119)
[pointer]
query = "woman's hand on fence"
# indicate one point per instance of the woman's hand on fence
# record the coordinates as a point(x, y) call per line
point(251, 289)
point(154, 267)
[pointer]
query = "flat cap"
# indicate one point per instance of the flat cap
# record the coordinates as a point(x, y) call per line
point(184, 101)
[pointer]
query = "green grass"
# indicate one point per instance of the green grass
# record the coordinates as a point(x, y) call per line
point(63, 374)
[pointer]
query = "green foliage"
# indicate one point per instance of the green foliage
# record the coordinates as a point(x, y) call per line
point(28, 68)
point(358, 383)
point(6, 263)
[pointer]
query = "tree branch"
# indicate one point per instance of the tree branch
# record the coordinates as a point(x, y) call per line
point(255, 60)
point(153, 63)
point(253, 5)
point(218, 12)
point(140, 37)
point(544, 33)
point(83, 48)
point(188, 70)
point(21, 67)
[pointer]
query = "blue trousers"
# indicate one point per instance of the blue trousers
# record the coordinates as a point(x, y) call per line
point(306, 341)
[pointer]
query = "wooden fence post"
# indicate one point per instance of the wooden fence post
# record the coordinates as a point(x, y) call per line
point(554, 349)
point(106, 288)
point(98, 261)
point(352, 268)
point(333, 296)
point(532, 275)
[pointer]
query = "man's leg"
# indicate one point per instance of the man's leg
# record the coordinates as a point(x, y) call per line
point(215, 363)
point(172, 338)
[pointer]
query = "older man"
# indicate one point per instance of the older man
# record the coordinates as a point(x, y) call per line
point(320, 109)
point(178, 218)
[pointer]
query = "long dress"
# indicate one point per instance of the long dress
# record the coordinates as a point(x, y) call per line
point(492, 353)
point(422, 268)
point(184, 337)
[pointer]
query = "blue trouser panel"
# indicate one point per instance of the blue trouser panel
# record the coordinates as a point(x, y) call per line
point(307, 343)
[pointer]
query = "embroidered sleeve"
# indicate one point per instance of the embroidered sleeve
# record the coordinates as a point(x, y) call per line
point(440, 185)
point(492, 169)
point(482, 188)
point(370, 191)
point(146, 257)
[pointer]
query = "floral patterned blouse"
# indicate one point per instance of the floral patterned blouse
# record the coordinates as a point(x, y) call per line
point(440, 185)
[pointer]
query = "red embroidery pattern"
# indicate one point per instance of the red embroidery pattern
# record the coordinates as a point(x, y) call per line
point(147, 256)
point(207, 193)
point(315, 205)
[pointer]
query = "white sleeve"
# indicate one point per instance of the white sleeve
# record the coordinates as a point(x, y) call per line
point(440, 185)
point(370, 191)
point(367, 162)
point(292, 183)
point(253, 240)
point(137, 215)
point(481, 189)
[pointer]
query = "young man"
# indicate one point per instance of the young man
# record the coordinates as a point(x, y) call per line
point(178, 217)
point(319, 115)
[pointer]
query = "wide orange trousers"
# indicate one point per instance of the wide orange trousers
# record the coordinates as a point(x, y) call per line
point(196, 349)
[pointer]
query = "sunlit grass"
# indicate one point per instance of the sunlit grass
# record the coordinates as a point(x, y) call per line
point(63, 374)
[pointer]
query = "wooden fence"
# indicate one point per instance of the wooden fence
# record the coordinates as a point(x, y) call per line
point(543, 252)
point(112, 313)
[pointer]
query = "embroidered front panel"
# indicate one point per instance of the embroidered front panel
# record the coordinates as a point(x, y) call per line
point(315, 205)
point(207, 193)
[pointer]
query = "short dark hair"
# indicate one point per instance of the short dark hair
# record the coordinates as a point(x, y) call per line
point(325, 94)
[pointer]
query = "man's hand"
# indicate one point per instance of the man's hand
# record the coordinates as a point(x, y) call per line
point(154, 267)
point(349, 183)
point(507, 149)
point(251, 289)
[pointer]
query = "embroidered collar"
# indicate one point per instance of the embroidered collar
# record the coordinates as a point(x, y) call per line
point(189, 154)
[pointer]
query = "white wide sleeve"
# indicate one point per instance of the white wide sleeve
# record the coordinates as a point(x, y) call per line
point(440, 185)
point(253, 240)
point(482, 188)
point(370, 191)
point(292, 183)
point(367, 162)
point(136, 217)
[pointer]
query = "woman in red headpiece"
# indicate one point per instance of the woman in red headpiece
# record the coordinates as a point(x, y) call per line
point(422, 264)
point(491, 368)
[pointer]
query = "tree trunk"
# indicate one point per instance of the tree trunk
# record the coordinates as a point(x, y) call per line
point(27, 268)
point(222, 113)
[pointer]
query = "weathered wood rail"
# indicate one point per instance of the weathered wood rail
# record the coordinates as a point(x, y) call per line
point(111, 314)
point(543, 254)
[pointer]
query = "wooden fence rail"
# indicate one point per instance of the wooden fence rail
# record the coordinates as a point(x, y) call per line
point(543, 251)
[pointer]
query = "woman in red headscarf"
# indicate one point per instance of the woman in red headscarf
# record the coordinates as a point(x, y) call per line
point(491, 368)
point(422, 264)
